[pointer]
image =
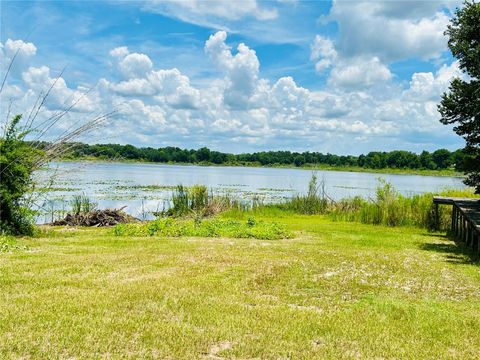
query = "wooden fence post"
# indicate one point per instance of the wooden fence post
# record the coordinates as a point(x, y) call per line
point(453, 219)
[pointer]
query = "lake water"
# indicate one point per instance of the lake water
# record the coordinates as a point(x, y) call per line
point(143, 188)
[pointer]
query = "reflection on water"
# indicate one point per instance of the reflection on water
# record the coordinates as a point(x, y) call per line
point(147, 187)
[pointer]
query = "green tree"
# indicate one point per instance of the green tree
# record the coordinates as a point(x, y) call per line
point(17, 163)
point(442, 158)
point(299, 160)
point(458, 158)
point(426, 160)
point(460, 105)
point(203, 154)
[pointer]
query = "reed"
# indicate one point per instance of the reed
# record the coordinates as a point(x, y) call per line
point(388, 207)
point(82, 204)
point(393, 209)
point(198, 202)
point(315, 201)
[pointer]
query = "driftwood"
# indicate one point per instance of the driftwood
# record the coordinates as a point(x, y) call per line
point(107, 217)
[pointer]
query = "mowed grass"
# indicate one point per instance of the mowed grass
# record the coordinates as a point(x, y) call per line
point(335, 290)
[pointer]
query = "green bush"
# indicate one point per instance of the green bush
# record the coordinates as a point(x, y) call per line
point(17, 163)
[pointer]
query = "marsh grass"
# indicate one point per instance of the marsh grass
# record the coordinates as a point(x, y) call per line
point(388, 207)
point(82, 204)
point(315, 201)
point(185, 201)
point(393, 209)
point(198, 202)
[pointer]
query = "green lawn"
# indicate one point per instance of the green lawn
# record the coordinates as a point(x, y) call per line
point(335, 290)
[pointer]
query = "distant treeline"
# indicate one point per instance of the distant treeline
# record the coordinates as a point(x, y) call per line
point(437, 160)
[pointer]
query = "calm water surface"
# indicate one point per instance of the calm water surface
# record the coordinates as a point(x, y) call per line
point(120, 184)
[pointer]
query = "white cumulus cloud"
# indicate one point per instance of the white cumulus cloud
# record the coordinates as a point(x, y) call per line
point(323, 53)
point(241, 70)
point(359, 73)
point(160, 107)
point(390, 30)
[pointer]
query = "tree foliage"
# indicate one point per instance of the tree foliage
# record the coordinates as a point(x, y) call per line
point(17, 163)
point(460, 105)
point(399, 159)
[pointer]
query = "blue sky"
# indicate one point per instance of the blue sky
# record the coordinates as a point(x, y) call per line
point(341, 77)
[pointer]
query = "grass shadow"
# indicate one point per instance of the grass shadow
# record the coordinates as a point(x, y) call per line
point(455, 252)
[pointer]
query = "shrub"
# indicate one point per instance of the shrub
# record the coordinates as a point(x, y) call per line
point(17, 163)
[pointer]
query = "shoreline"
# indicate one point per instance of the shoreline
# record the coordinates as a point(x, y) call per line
point(356, 169)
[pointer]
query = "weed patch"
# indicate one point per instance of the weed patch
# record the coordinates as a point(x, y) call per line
point(9, 244)
point(205, 228)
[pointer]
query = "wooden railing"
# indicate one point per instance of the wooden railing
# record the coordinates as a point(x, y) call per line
point(465, 219)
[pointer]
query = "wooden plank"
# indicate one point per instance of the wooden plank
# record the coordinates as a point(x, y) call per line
point(475, 241)
point(458, 221)
point(448, 200)
point(477, 234)
point(468, 240)
point(465, 219)
point(453, 219)
point(462, 226)
point(471, 211)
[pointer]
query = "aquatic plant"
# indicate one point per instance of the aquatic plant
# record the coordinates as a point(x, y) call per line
point(315, 201)
point(197, 201)
point(394, 209)
point(82, 204)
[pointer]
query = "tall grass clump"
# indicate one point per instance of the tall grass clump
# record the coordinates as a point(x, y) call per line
point(394, 209)
point(314, 202)
point(189, 201)
point(196, 201)
point(82, 204)
point(180, 200)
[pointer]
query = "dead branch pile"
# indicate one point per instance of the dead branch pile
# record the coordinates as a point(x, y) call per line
point(107, 217)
